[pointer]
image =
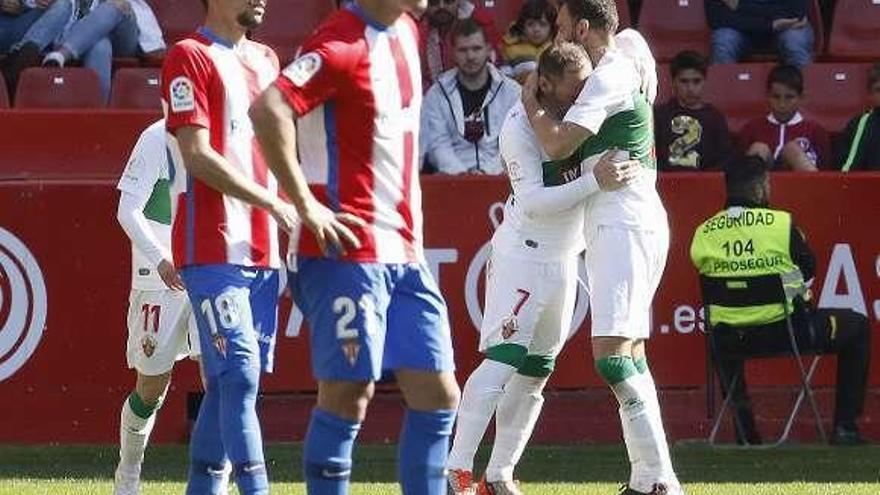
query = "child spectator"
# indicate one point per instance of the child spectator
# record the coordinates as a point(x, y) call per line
point(691, 135)
point(861, 138)
point(785, 137)
point(532, 32)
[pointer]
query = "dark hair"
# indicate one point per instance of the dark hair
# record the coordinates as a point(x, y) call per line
point(744, 179)
point(873, 75)
point(560, 58)
point(467, 27)
point(788, 76)
point(601, 14)
point(686, 60)
point(534, 9)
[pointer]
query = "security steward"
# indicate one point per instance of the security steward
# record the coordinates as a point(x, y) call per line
point(749, 238)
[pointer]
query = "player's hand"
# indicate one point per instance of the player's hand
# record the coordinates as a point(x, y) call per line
point(285, 215)
point(44, 4)
point(331, 229)
point(170, 276)
point(530, 92)
point(612, 175)
point(11, 6)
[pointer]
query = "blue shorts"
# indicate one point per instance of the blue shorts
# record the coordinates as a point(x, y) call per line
point(236, 310)
point(369, 317)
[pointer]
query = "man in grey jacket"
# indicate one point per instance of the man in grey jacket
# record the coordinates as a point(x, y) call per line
point(463, 111)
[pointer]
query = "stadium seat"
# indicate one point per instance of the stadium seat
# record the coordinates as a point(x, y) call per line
point(855, 30)
point(42, 87)
point(664, 84)
point(4, 94)
point(289, 22)
point(136, 88)
point(671, 26)
point(835, 93)
point(738, 90)
point(178, 18)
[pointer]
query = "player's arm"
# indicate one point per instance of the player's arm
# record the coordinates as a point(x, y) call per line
point(130, 215)
point(274, 124)
point(558, 139)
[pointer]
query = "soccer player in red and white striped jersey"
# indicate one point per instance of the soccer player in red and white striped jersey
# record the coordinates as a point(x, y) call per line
point(340, 130)
point(224, 237)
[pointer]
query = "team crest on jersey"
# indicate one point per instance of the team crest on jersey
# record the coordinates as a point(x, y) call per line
point(182, 97)
point(303, 69)
point(351, 348)
point(148, 345)
point(509, 326)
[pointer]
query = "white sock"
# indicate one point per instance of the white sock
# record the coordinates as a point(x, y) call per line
point(134, 432)
point(478, 401)
point(641, 435)
point(515, 421)
point(648, 389)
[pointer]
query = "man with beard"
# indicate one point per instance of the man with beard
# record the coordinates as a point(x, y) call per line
point(626, 231)
point(463, 111)
point(435, 35)
point(224, 238)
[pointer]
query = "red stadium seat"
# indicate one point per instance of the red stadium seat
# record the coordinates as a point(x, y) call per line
point(856, 30)
point(289, 22)
point(178, 18)
point(42, 87)
point(671, 26)
point(738, 90)
point(835, 93)
point(664, 86)
point(136, 88)
point(4, 94)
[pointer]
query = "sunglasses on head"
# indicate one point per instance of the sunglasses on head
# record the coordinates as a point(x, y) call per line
point(434, 3)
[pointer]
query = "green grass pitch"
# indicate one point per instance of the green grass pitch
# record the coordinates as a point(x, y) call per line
point(544, 470)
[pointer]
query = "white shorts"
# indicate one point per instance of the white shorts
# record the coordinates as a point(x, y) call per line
point(529, 303)
point(161, 330)
point(624, 268)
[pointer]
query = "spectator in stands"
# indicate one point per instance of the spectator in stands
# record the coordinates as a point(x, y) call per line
point(532, 32)
point(16, 16)
point(691, 135)
point(785, 137)
point(107, 29)
point(463, 111)
point(738, 26)
point(44, 25)
point(861, 138)
point(435, 34)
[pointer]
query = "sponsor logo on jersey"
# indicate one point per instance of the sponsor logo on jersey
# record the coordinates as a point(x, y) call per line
point(182, 95)
point(303, 69)
point(23, 304)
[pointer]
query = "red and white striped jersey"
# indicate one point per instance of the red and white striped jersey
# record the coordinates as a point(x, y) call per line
point(356, 88)
point(208, 82)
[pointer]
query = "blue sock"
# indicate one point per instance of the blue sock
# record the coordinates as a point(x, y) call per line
point(240, 429)
point(327, 453)
point(207, 458)
point(424, 445)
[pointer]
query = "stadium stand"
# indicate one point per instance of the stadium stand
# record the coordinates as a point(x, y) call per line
point(136, 88)
point(4, 94)
point(178, 18)
point(738, 91)
point(42, 87)
point(289, 22)
point(855, 31)
point(835, 92)
point(671, 26)
point(664, 84)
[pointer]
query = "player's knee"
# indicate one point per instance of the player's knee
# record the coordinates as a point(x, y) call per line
point(241, 381)
point(615, 369)
point(348, 400)
point(151, 389)
point(537, 367)
point(427, 391)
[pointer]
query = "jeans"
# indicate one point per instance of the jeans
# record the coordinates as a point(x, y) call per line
point(795, 46)
point(105, 33)
point(13, 27)
point(46, 26)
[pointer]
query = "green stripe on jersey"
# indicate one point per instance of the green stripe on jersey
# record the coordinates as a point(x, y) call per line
point(158, 207)
point(630, 130)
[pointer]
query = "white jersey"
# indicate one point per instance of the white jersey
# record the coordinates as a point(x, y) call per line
point(150, 175)
point(546, 237)
point(615, 109)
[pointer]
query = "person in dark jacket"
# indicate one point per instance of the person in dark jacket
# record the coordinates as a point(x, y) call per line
point(861, 138)
point(738, 26)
